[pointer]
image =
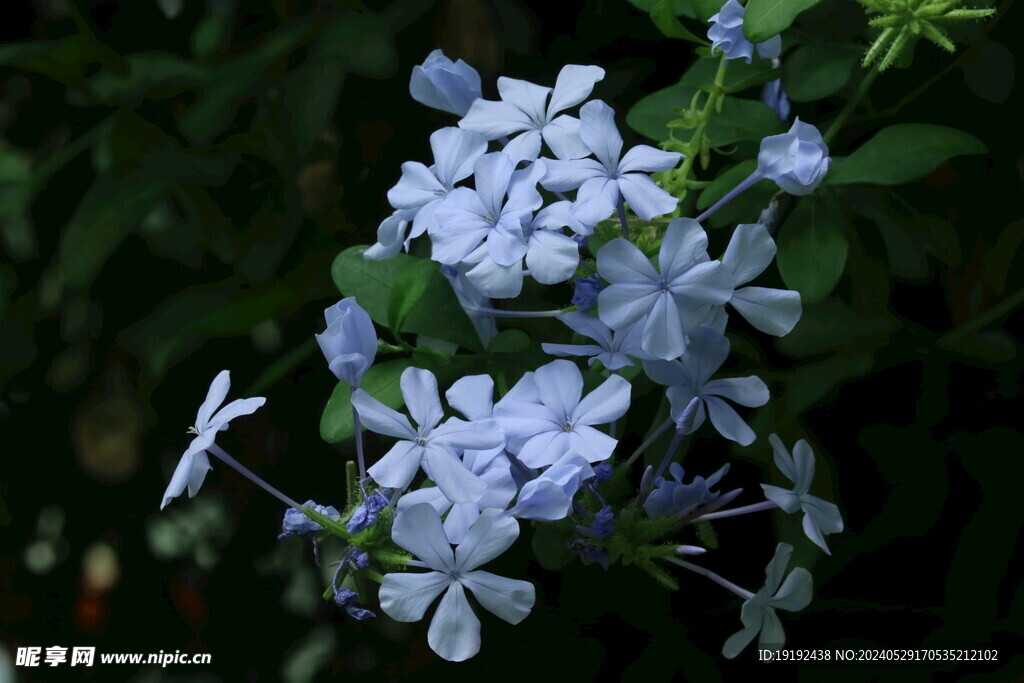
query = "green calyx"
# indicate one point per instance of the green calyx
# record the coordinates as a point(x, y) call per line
point(904, 21)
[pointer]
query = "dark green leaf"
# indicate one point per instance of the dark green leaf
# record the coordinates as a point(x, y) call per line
point(157, 74)
point(988, 71)
point(381, 381)
point(745, 208)
point(549, 548)
point(903, 153)
point(817, 70)
point(439, 314)
point(767, 18)
point(742, 120)
point(509, 341)
point(812, 248)
point(407, 291)
point(664, 17)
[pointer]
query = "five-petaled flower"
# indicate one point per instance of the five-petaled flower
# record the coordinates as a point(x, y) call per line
point(454, 630)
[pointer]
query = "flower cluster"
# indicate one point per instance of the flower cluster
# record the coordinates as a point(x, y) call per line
point(462, 470)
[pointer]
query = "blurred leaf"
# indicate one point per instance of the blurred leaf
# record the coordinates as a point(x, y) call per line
point(1003, 259)
point(438, 314)
point(367, 44)
point(110, 210)
point(902, 153)
point(767, 18)
point(812, 247)
point(171, 8)
point(153, 74)
point(16, 190)
point(381, 381)
point(988, 71)
point(549, 548)
point(213, 32)
point(61, 60)
point(832, 326)
point(509, 341)
point(233, 81)
point(664, 17)
point(817, 70)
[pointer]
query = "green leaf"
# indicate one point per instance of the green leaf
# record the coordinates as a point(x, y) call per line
point(381, 381)
point(549, 548)
point(746, 207)
point(156, 74)
point(438, 314)
point(812, 248)
point(817, 70)
point(903, 153)
point(664, 17)
point(767, 18)
point(408, 289)
point(988, 71)
point(742, 120)
point(509, 341)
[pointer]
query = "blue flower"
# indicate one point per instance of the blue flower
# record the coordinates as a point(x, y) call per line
point(454, 631)
point(670, 302)
point(603, 181)
point(726, 34)
point(343, 597)
point(758, 613)
point(820, 516)
point(548, 498)
point(443, 84)
point(366, 513)
point(604, 522)
point(557, 421)
point(613, 349)
point(796, 160)
point(750, 251)
point(434, 447)
point(195, 463)
point(673, 497)
point(527, 107)
point(585, 292)
point(392, 236)
point(350, 342)
point(774, 96)
point(690, 377)
point(469, 218)
point(296, 523)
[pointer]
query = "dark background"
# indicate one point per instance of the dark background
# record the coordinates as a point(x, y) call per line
point(206, 243)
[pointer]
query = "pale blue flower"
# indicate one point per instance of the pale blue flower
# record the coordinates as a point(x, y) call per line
point(454, 632)
point(392, 236)
point(527, 107)
point(670, 302)
point(774, 96)
point(350, 342)
point(432, 445)
point(548, 498)
point(726, 34)
point(195, 462)
point(443, 84)
point(796, 160)
point(296, 523)
point(690, 377)
point(560, 420)
point(758, 613)
point(422, 189)
point(603, 181)
point(484, 216)
point(673, 497)
point(613, 349)
point(820, 516)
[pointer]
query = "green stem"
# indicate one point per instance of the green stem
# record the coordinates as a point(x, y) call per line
point(858, 95)
point(1004, 307)
point(696, 144)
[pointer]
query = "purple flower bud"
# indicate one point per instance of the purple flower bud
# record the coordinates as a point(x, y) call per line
point(350, 342)
point(365, 515)
point(443, 84)
point(604, 522)
point(346, 598)
point(297, 524)
point(586, 290)
point(603, 472)
point(358, 559)
point(797, 160)
point(774, 96)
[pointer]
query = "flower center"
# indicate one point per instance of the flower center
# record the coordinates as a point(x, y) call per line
point(663, 284)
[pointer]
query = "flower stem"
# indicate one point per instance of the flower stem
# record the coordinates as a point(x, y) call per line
point(978, 322)
point(851, 104)
point(696, 144)
point(359, 443)
point(501, 313)
point(721, 581)
point(735, 512)
point(621, 208)
point(251, 476)
point(651, 439)
point(730, 195)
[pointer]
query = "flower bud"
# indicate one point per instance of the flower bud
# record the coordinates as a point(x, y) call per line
point(797, 161)
point(443, 84)
point(350, 342)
